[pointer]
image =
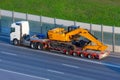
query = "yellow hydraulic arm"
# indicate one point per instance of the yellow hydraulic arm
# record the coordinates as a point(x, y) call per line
point(85, 33)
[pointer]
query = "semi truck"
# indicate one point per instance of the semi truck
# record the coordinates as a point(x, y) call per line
point(75, 41)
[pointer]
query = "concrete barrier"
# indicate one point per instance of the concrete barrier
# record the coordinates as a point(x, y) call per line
point(116, 48)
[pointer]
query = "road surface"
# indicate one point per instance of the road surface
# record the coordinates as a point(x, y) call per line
point(41, 65)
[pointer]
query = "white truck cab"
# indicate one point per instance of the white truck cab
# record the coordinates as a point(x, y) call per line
point(18, 30)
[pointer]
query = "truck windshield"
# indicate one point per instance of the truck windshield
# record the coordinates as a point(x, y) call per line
point(12, 30)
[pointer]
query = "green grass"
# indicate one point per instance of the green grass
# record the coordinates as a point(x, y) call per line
point(105, 12)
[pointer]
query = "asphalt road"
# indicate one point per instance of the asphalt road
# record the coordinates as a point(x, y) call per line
point(42, 65)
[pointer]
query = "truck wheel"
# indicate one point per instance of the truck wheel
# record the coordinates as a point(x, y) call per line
point(15, 42)
point(81, 55)
point(67, 53)
point(32, 45)
point(89, 56)
point(40, 46)
point(74, 54)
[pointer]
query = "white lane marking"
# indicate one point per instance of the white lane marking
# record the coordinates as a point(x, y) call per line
point(70, 66)
point(54, 71)
point(37, 77)
point(85, 60)
point(5, 37)
point(102, 63)
point(115, 56)
point(8, 53)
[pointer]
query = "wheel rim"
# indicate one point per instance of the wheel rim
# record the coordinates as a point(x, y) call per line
point(32, 46)
point(15, 42)
point(39, 47)
point(89, 56)
point(67, 52)
point(81, 55)
point(74, 54)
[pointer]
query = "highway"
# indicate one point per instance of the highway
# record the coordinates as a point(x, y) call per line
point(42, 65)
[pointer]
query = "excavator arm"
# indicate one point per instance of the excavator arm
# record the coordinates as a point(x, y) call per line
point(98, 45)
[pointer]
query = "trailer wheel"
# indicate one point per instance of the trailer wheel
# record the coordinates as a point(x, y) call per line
point(81, 55)
point(89, 56)
point(67, 52)
point(74, 54)
point(32, 45)
point(15, 42)
point(40, 46)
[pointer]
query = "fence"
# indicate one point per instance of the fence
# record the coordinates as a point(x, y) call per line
point(40, 24)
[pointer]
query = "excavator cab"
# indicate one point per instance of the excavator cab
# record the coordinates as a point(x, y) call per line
point(70, 28)
point(77, 39)
point(81, 42)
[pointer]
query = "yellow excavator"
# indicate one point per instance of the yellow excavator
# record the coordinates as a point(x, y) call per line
point(73, 34)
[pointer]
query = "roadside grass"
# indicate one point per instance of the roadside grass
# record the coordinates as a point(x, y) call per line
point(105, 12)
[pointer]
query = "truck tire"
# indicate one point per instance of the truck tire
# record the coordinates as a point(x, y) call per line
point(15, 42)
point(89, 56)
point(74, 54)
point(32, 45)
point(67, 52)
point(40, 46)
point(81, 55)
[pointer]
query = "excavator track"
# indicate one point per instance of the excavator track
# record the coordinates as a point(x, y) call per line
point(62, 45)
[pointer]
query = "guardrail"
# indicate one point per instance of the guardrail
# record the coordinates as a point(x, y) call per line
point(40, 24)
